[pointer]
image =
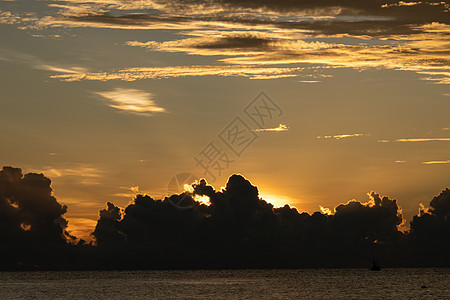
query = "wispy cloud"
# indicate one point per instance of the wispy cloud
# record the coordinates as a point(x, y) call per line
point(280, 128)
point(423, 140)
point(337, 34)
point(132, 74)
point(70, 70)
point(84, 174)
point(435, 162)
point(310, 81)
point(130, 192)
point(131, 101)
point(343, 136)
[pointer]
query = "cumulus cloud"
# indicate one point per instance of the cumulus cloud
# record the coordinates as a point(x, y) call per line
point(239, 218)
point(131, 101)
point(232, 227)
point(27, 202)
point(431, 228)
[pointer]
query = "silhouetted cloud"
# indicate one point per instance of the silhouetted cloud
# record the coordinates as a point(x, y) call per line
point(32, 224)
point(430, 231)
point(228, 228)
point(29, 211)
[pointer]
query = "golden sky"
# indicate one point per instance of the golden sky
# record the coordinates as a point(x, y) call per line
point(110, 98)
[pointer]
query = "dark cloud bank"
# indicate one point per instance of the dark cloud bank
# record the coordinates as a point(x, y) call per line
point(238, 230)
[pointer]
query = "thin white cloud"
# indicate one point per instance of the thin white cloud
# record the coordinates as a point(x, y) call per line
point(280, 128)
point(131, 101)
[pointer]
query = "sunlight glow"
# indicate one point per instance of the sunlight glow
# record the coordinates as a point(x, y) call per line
point(276, 200)
point(202, 199)
point(325, 210)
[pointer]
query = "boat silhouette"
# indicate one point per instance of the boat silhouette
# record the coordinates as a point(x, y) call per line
point(375, 266)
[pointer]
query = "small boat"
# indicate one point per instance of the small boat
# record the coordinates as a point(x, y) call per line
point(375, 266)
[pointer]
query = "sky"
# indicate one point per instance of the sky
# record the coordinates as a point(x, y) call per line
point(315, 102)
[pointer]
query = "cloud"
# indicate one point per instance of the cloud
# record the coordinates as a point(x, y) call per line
point(310, 81)
point(81, 227)
point(280, 128)
point(400, 35)
point(435, 162)
point(343, 136)
point(73, 70)
point(131, 101)
point(429, 229)
point(238, 217)
point(132, 74)
point(7, 17)
point(230, 227)
point(82, 173)
point(29, 214)
point(414, 140)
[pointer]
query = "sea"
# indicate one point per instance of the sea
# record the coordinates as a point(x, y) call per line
point(229, 284)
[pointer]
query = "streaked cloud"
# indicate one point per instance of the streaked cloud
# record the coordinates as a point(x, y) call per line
point(280, 128)
point(81, 173)
point(6, 17)
point(310, 81)
point(436, 162)
point(399, 35)
point(130, 192)
point(70, 70)
point(423, 140)
point(132, 74)
point(343, 136)
point(131, 101)
point(416, 140)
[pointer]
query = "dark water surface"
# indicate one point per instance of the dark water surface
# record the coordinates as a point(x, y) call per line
point(248, 284)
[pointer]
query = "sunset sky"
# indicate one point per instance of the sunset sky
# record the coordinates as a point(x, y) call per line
point(110, 98)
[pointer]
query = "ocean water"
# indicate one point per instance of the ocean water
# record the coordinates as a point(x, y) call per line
point(228, 284)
